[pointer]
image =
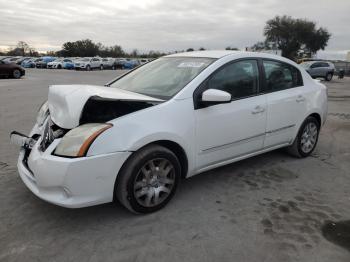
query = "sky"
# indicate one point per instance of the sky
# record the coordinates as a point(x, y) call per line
point(162, 25)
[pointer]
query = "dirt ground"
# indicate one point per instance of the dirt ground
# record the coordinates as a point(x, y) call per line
point(268, 208)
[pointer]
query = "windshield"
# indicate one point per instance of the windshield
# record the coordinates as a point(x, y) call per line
point(164, 77)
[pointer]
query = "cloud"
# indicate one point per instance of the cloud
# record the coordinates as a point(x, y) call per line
point(160, 24)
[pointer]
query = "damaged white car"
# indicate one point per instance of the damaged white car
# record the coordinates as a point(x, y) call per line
point(135, 138)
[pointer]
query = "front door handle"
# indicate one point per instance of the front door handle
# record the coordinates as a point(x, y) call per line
point(300, 98)
point(258, 109)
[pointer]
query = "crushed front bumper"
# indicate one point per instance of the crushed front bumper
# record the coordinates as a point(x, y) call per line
point(69, 182)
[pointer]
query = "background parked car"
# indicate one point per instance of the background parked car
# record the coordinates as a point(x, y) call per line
point(88, 63)
point(319, 69)
point(30, 63)
point(61, 63)
point(11, 70)
point(119, 62)
point(44, 61)
point(22, 59)
point(109, 63)
point(143, 61)
point(130, 64)
point(10, 60)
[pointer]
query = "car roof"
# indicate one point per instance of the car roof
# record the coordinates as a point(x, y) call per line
point(232, 55)
point(208, 54)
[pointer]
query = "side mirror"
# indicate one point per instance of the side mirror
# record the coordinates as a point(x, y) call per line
point(215, 96)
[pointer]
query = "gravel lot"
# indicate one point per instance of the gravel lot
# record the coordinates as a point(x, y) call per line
point(267, 208)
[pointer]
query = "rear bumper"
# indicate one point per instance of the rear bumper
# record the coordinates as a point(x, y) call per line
point(70, 182)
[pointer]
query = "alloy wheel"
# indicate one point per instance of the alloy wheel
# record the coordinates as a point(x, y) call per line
point(154, 182)
point(309, 137)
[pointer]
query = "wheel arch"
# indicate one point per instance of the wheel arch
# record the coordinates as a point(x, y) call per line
point(176, 148)
point(318, 118)
point(178, 151)
point(316, 115)
point(172, 146)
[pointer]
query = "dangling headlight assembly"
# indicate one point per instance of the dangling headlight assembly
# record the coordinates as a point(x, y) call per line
point(77, 141)
point(42, 113)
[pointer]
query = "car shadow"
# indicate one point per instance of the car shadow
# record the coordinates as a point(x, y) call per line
point(115, 211)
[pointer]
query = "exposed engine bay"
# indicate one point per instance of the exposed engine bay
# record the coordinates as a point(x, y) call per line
point(101, 110)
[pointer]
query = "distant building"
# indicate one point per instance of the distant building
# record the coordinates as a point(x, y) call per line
point(270, 51)
point(273, 52)
point(333, 55)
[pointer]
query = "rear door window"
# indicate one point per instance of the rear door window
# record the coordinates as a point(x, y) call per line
point(280, 76)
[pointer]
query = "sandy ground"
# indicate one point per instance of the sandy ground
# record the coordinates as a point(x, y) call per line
point(267, 208)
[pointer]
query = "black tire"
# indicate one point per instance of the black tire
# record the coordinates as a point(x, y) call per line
point(296, 149)
point(16, 73)
point(329, 77)
point(113, 67)
point(88, 68)
point(124, 189)
point(59, 67)
point(101, 67)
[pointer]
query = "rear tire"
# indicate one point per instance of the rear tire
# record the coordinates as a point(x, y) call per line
point(148, 180)
point(101, 67)
point(307, 138)
point(329, 77)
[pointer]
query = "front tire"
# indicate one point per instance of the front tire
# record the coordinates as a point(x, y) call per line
point(307, 138)
point(16, 74)
point(101, 67)
point(148, 180)
point(88, 68)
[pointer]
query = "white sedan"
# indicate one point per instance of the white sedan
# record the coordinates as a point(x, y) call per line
point(172, 118)
point(88, 63)
point(60, 63)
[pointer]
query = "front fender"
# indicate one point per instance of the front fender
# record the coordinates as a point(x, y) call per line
point(172, 121)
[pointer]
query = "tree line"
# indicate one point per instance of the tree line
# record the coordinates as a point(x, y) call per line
point(296, 38)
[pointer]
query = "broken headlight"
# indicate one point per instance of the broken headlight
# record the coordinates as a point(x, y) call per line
point(42, 113)
point(77, 141)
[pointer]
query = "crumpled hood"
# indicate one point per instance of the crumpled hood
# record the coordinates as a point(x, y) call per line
point(66, 102)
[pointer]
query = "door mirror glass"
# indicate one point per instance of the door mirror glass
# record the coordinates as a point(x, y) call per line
point(215, 96)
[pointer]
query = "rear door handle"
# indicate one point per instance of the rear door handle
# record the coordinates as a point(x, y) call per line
point(258, 109)
point(300, 98)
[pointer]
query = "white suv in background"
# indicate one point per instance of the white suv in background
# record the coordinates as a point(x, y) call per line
point(109, 63)
point(134, 139)
point(88, 63)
